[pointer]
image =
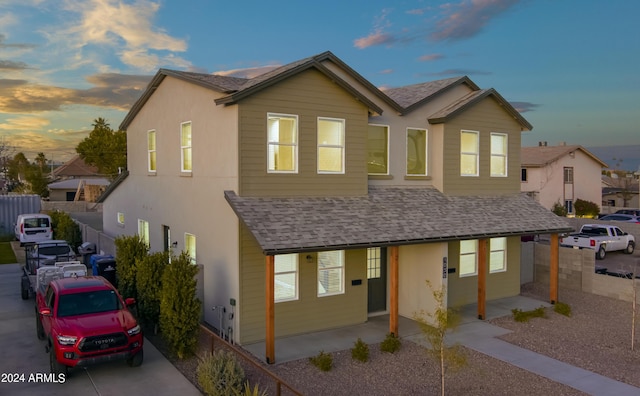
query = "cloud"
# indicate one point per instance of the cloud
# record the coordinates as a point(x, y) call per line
point(5, 45)
point(460, 72)
point(378, 36)
point(11, 65)
point(24, 123)
point(116, 91)
point(524, 107)
point(430, 57)
point(467, 18)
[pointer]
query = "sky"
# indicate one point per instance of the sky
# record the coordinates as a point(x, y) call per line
point(569, 66)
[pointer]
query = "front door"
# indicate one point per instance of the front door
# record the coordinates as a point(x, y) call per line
point(377, 279)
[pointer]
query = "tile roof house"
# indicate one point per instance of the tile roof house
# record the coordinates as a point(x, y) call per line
point(75, 180)
point(561, 174)
point(312, 199)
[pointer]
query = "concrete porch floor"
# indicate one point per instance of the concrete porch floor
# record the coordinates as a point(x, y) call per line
point(376, 328)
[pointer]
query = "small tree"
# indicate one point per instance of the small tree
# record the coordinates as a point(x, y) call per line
point(149, 272)
point(586, 208)
point(558, 209)
point(179, 306)
point(434, 326)
point(129, 250)
point(65, 228)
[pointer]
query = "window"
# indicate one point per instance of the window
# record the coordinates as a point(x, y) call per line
point(469, 146)
point(330, 273)
point(468, 258)
point(498, 154)
point(378, 150)
point(190, 246)
point(151, 148)
point(120, 218)
point(282, 143)
point(568, 175)
point(143, 231)
point(497, 255)
point(374, 263)
point(286, 277)
point(330, 145)
point(416, 152)
point(523, 174)
point(568, 206)
point(185, 147)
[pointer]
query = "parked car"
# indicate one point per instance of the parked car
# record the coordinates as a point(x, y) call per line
point(629, 218)
point(33, 227)
point(635, 212)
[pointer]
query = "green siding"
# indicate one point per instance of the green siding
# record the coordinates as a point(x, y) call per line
point(308, 313)
point(485, 117)
point(463, 291)
point(308, 95)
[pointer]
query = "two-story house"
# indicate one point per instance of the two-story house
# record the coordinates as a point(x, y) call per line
point(312, 199)
point(561, 175)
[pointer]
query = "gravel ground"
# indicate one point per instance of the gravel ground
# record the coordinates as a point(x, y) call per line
point(597, 337)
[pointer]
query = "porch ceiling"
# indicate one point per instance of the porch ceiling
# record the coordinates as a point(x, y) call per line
point(388, 216)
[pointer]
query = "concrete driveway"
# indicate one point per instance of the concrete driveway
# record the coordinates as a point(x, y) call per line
point(24, 356)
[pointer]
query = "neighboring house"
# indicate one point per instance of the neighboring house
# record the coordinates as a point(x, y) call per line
point(312, 199)
point(618, 193)
point(75, 180)
point(561, 174)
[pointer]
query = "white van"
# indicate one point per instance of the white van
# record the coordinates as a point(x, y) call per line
point(34, 227)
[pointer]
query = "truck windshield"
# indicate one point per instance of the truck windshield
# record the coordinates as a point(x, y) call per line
point(88, 303)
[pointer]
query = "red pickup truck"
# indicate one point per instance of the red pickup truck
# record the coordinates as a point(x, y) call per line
point(85, 321)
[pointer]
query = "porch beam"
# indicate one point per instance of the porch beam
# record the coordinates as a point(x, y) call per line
point(482, 278)
point(393, 297)
point(270, 309)
point(554, 265)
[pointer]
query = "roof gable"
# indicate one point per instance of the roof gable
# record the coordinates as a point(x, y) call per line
point(75, 167)
point(412, 96)
point(540, 156)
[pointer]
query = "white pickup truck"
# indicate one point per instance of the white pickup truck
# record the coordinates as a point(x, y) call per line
point(601, 238)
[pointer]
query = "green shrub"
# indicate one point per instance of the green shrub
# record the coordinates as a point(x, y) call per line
point(524, 316)
point(391, 343)
point(559, 209)
point(220, 374)
point(179, 306)
point(323, 361)
point(586, 209)
point(562, 308)
point(64, 228)
point(251, 392)
point(149, 285)
point(129, 249)
point(360, 351)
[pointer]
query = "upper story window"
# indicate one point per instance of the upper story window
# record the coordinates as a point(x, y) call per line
point(468, 258)
point(190, 246)
point(498, 255)
point(469, 153)
point(151, 151)
point(498, 154)
point(286, 277)
point(330, 145)
point(378, 150)
point(568, 175)
point(330, 273)
point(416, 152)
point(143, 231)
point(282, 143)
point(185, 147)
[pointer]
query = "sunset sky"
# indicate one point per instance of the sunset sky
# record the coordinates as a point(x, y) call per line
point(570, 67)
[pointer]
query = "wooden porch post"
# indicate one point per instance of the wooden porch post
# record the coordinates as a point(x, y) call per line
point(554, 269)
point(482, 278)
point(270, 305)
point(393, 297)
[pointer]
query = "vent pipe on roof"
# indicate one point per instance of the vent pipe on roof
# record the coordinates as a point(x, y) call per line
point(542, 144)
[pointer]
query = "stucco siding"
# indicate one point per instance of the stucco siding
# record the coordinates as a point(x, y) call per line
point(308, 95)
point(485, 117)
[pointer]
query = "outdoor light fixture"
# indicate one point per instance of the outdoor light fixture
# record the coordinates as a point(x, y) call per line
point(174, 244)
point(309, 258)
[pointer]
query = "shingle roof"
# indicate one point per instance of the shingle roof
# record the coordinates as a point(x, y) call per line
point(538, 156)
point(387, 216)
point(412, 95)
point(75, 167)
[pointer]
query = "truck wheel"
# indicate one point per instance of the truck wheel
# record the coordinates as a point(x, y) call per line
point(630, 247)
point(601, 253)
point(136, 360)
point(39, 328)
point(56, 367)
point(24, 288)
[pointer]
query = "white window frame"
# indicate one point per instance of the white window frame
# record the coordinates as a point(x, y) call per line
point(495, 252)
point(503, 156)
point(340, 266)
point(469, 253)
point(191, 251)
point(120, 218)
point(152, 156)
point(278, 273)
point(271, 143)
point(426, 152)
point(470, 153)
point(386, 149)
point(143, 231)
point(340, 146)
point(188, 147)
